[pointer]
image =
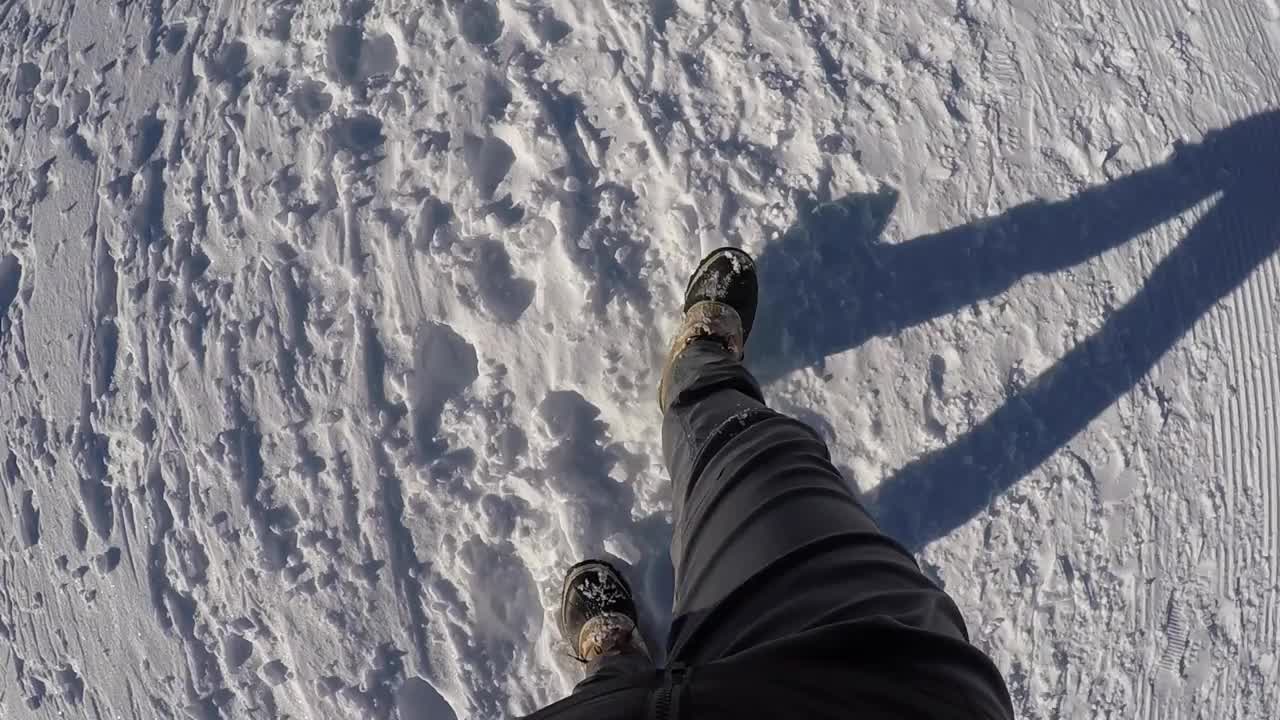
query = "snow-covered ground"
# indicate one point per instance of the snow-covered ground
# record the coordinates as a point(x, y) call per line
point(330, 332)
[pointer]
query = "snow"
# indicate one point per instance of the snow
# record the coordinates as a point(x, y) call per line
point(330, 332)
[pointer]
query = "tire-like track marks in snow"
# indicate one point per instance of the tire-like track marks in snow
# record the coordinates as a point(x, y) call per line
point(1246, 450)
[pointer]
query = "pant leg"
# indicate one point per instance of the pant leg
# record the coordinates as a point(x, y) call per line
point(769, 540)
point(611, 667)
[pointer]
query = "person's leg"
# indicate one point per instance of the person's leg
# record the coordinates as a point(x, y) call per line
point(773, 553)
point(758, 505)
point(629, 661)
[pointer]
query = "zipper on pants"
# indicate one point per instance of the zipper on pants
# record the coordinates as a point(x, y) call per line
point(664, 702)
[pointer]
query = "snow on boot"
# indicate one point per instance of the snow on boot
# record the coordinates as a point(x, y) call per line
point(726, 275)
point(597, 612)
point(719, 303)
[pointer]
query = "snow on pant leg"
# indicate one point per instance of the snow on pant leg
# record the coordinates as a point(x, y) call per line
point(610, 667)
point(769, 540)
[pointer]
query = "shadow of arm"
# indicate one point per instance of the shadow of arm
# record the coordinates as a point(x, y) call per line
point(937, 274)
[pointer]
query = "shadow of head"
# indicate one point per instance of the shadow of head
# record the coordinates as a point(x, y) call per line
point(829, 284)
point(816, 282)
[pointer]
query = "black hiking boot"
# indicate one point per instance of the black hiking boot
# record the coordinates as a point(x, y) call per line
point(598, 613)
point(719, 303)
point(727, 276)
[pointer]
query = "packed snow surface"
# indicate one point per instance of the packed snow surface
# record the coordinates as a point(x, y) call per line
point(330, 332)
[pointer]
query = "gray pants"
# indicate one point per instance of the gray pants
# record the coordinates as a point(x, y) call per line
point(779, 567)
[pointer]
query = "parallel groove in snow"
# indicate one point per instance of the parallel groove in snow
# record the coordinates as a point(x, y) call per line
point(1269, 410)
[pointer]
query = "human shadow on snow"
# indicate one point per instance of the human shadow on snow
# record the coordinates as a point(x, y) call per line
point(828, 286)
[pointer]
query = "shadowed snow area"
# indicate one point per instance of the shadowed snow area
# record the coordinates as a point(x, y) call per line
point(330, 333)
